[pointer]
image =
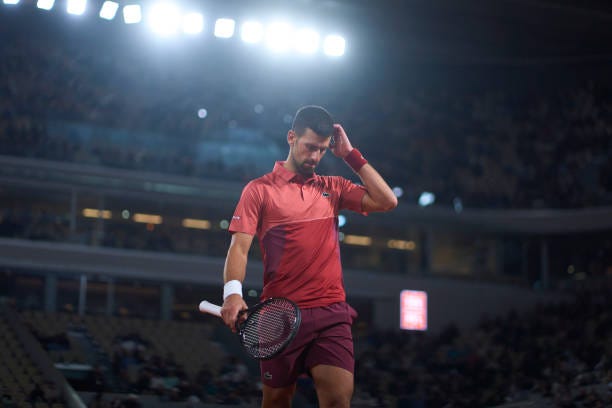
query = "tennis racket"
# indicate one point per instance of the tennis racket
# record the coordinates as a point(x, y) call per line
point(268, 328)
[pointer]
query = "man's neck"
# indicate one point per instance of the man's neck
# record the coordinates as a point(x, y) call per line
point(289, 165)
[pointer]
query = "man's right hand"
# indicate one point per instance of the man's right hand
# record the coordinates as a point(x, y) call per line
point(230, 309)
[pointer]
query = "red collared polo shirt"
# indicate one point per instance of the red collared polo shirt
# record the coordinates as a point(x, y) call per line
point(296, 222)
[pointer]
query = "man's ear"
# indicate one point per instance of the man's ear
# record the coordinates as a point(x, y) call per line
point(291, 137)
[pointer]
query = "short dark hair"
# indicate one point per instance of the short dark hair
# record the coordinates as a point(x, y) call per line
point(314, 117)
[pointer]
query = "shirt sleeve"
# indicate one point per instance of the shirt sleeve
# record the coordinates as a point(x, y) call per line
point(351, 196)
point(246, 214)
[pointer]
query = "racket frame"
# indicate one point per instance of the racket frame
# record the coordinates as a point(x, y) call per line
point(215, 310)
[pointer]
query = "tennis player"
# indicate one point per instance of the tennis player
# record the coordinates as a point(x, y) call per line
point(294, 213)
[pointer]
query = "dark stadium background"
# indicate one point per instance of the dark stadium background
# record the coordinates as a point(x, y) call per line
point(501, 109)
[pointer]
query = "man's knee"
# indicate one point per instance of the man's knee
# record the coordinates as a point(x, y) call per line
point(334, 386)
point(277, 397)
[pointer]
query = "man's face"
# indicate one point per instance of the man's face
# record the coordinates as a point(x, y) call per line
point(307, 150)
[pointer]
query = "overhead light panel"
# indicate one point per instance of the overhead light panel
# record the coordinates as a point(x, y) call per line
point(224, 28)
point(165, 19)
point(95, 213)
point(132, 14)
point(252, 32)
point(334, 45)
point(401, 244)
point(76, 7)
point(45, 4)
point(147, 218)
point(307, 41)
point(196, 223)
point(109, 10)
point(193, 23)
point(359, 240)
point(279, 36)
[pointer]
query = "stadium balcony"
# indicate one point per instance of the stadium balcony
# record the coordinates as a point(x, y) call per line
point(76, 231)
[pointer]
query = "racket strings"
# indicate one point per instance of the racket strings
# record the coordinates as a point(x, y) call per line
point(269, 328)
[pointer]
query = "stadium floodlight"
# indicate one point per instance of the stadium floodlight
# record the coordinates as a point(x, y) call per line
point(76, 7)
point(224, 28)
point(193, 23)
point(11, 1)
point(252, 32)
point(132, 14)
point(109, 10)
point(279, 36)
point(334, 45)
point(45, 4)
point(307, 41)
point(165, 19)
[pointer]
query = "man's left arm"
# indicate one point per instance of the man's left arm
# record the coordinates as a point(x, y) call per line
point(378, 196)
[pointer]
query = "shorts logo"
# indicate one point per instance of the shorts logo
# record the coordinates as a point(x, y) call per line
point(267, 375)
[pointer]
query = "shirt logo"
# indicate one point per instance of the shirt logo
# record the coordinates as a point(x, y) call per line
point(326, 194)
point(267, 375)
point(236, 217)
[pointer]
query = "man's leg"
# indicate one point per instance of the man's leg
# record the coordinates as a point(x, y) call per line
point(334, 386)
point(277, 397)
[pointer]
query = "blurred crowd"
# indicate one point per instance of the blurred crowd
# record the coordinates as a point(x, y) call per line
point(553, 355)
point(556, 355)
point(138, 371)
point(490, 144)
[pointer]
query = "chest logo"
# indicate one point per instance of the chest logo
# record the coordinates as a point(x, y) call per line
point(326, 194)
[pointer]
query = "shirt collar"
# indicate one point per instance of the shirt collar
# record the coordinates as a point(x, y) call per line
point(282, 172)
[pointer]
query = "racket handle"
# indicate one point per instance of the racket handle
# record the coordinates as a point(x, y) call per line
point(207, 307)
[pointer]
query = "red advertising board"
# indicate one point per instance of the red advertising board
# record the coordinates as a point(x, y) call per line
point(413, 310)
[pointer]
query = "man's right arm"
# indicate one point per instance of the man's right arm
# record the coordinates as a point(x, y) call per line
point(235, 269)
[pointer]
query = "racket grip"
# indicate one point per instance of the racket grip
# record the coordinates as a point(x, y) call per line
point(207, 307)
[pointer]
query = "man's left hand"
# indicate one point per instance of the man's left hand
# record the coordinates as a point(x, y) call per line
point(342, 145)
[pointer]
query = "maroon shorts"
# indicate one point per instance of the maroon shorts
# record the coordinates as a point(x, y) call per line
point(324, 337)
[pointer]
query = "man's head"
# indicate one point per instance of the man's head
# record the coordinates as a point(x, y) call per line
point(309, 138)
point(315, 118)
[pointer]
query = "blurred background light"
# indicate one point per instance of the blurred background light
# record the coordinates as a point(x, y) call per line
point(224, 28)
point(164, 19)
point(457, 204)
point(252, 32)
point(193, 23)
point(109, 10)
point(334, 45)
point(45, 4)
point(132, 14)
point(76, 7)
point(426, 198)
point(279, 36)
point(307, 41)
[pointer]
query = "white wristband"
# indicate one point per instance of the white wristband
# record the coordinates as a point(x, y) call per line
point(233, 287)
